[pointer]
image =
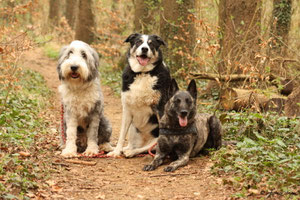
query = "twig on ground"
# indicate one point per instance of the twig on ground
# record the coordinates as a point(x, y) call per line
point(61, 164)
point(82, 162)
point(182, 174)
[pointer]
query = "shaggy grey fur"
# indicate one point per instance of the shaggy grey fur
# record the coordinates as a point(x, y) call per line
point(85, 125)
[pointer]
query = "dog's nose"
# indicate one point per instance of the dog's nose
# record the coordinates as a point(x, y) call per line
point(183, 113)
point(74, 68)
point(144, 49)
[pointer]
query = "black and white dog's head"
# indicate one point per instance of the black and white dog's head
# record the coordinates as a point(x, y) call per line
point(144, 51)
point(78, 62)
point(182, 104)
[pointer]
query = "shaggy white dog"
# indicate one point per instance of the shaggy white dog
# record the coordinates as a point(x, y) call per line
point(85, 124)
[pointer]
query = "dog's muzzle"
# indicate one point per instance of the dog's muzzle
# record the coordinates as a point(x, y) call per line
point(74, 73)
point(143, 59)
point(183, 118)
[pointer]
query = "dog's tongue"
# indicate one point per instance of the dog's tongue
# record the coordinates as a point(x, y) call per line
point(143, 61)
point(183, 121)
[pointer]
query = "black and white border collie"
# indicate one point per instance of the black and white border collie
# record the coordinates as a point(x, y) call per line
point(145, 84)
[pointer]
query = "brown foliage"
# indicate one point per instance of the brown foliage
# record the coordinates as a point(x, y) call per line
point(14, 41)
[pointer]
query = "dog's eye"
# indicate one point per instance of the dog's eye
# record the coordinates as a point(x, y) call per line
point(139, 42)
point(70, 52)
point(177, 101)
point(188, 101)
point(83, 54)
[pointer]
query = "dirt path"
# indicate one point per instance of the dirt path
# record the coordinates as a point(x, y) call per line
point(118, 178)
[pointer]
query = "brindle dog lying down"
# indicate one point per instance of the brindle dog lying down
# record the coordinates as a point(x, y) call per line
point(183, 132)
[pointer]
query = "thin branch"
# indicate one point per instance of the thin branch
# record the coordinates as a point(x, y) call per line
point(183, 174)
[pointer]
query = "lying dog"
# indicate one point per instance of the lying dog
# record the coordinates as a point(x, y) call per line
point(84, 121)
point(145, 84)
point(182, 132)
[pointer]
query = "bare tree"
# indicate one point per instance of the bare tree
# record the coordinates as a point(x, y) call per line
point(85, 22)
point(71, 10)
point(281, 17)
point(178, 30)
point(54, 12)
point(239, 30)
point(144, 16)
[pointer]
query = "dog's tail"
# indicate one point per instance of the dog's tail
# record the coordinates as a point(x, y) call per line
point(214, 139)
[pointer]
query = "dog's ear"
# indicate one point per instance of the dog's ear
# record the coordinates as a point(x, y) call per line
point(132, 37)
point(173, 88)
point(95, 56)
point(192, 89)
point(159, 40)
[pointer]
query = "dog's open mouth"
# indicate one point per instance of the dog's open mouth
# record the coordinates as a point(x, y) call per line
point(143, 60)
point(75, 75)
point(183, 121)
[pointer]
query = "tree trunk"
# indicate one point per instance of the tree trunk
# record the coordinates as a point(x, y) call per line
point(144, 16)
point(71, 10)
point(280, 26)
point(178, 30)
point(54, 12)
point(239, 27)
point(292, 108)
point(239, 99)
point(85, 22)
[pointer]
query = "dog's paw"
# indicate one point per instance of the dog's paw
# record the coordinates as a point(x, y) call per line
point(169, 169)
point(91, 151)
point(148, 168)
point(67, 153)
point(115, 153)
point(129, 153)
point(106, 147)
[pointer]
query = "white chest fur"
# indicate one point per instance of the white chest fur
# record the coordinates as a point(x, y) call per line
point(141, 92)
point(79, 102)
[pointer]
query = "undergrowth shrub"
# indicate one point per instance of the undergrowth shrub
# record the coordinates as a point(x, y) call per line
point(20, 125)
point(266, 158)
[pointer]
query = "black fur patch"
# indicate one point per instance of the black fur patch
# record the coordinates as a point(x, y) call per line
point(155, 132)
point(153, 119)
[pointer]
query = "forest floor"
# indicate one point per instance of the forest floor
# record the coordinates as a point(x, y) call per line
point(114, 178)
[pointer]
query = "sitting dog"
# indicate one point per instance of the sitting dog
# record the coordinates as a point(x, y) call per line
point(183, 133)
point(145, 84)
point(85, 124)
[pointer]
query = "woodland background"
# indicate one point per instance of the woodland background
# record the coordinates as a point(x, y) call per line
point(244, 55)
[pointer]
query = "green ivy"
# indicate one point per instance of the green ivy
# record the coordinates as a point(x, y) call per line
point(19, 126)
point(267, 154)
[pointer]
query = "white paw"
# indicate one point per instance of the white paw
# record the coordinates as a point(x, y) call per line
point(69, 153)
point(115, 153)
point(129, 153)
point(106, 147)
point(91, 150)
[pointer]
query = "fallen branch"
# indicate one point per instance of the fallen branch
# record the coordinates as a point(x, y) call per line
point(231, 77)
point(183, 174)
point(61, 164)
point(82, 162)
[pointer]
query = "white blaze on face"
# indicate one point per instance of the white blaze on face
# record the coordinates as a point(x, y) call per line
point(139, 61)
point(139, 51)
point(75, 59)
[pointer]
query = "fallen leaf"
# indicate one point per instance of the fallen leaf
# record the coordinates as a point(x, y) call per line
point(253, 191)
point(25, 154)
point(51, 182)
point(100, 196)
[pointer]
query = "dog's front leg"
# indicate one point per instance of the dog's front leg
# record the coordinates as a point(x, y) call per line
point(126, 121)
point(157, 161)
point(71, 149)
point(92, 137)
point(182, 161)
